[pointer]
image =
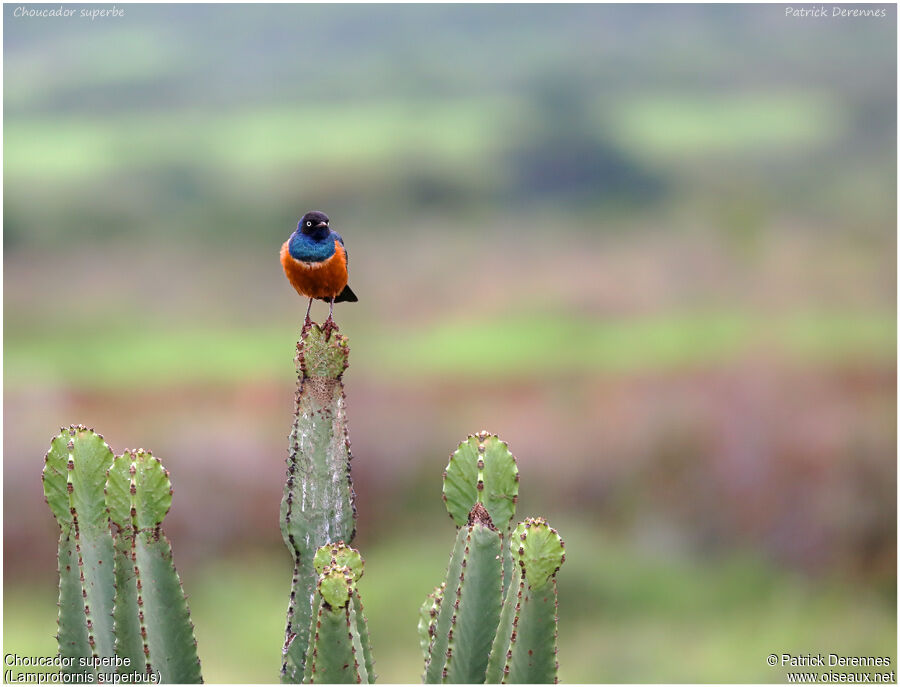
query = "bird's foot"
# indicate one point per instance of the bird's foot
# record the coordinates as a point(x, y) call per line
point(329, 327)
point(307, 325)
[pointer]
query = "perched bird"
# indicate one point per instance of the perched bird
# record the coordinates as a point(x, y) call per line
point(315, 262)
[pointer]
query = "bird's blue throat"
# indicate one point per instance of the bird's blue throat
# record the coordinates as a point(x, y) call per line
point(307, 249)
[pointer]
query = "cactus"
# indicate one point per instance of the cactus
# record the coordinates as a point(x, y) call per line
point(73, 477)
point(467, 635)
point(153, 622)
point(481, 486)
point(335, 644)
point(525, 647)
point(493, 619)
point(428, 614)
point(340, 555)
point(118, 596)
point(482, 470)
point(318, 503)
point(476, 610)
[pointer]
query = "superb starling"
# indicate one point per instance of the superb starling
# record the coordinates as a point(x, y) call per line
point(315, 262)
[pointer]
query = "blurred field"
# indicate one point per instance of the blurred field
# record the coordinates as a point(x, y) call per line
point(503, 348)
point(654, 248)
point(651, 614)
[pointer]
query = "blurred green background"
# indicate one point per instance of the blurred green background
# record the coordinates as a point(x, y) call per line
point(653, 247)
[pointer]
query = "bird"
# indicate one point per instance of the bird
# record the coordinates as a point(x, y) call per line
point(315, 262)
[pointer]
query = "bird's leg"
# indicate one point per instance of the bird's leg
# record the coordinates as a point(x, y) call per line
point(329, 326)
point(307, 323)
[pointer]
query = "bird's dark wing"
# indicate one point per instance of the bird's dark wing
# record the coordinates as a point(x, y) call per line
point(347, 295)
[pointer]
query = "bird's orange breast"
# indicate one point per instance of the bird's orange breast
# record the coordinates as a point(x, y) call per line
point(324, 279)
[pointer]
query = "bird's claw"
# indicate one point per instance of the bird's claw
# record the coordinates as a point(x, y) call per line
point(329, 327)
point(307, 325)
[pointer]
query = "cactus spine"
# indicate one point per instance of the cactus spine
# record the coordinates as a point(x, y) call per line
point(318, 503)
point(156, 631)
point(73, 477)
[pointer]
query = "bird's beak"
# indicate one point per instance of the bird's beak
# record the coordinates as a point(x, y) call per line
point(322, 224)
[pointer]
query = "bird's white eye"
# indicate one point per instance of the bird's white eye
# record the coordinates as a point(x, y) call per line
point(309, 224)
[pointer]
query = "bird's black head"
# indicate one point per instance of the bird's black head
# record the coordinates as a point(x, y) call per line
point(314, 224)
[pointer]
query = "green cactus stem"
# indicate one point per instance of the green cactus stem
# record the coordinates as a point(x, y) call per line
point(525, 647)
point(437, 650)
point(72, 633)
point(335, 645)
point(483, 470)
point(73, 478)
point(126, 618)
point(477, 606)
point(468, 614)
point(341, 555)
point(153, 621)
point(318, 503)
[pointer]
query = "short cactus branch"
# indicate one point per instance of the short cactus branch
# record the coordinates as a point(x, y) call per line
point(335, 650)
point(318, 503)
point(340, 555)
point(525, 647)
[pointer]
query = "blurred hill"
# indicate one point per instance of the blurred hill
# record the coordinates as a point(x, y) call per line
point(198, 121)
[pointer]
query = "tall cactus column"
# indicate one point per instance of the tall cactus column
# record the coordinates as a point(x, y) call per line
point(74, 475)
point(458, 621)
point(318, 503)
point(152, 618)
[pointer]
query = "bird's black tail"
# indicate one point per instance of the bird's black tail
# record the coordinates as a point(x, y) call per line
point(346, 296)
